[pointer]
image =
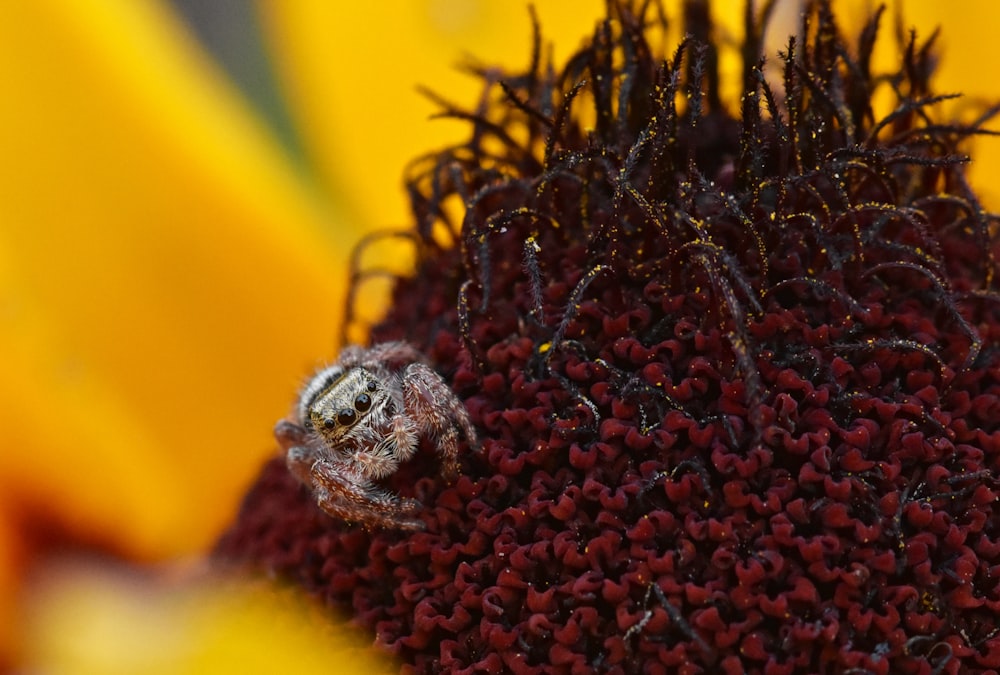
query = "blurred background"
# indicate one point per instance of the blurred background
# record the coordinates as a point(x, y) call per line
point(181, 185)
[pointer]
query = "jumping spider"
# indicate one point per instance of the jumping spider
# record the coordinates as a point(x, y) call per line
point(358, 419)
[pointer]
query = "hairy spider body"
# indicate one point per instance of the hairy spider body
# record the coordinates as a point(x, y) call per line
point(358, 419)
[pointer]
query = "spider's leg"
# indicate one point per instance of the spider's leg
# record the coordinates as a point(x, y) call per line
point(390, 355)
point(344, 493)
point(383, 459)
point(339, 487)
point(299, 455)
point(435, 410)
point(352, 356)
point(402, 439)
point(289, 434)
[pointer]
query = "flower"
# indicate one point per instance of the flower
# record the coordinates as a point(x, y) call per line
point(736, 371)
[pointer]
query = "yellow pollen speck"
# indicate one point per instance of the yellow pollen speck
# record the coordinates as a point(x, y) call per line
point(544, 347)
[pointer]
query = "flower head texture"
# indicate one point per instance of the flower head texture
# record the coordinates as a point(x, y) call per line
point(737, 375)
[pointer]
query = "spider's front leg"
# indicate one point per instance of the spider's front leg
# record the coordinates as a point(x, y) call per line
point(338, 486)
point(435, 409)
point(391, 355)
point(299, 456)
point(343, 492)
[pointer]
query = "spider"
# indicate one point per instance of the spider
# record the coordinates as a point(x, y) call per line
point(358, 419)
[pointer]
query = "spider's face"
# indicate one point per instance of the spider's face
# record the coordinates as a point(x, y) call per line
point(337, 401)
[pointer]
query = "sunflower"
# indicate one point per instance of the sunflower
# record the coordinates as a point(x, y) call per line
point(168, 269)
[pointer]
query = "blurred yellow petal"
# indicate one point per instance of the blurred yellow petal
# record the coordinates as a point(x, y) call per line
point(86, 620)
point(350, 72)
point(968, 59)
point(966, 55)
point(164, 277)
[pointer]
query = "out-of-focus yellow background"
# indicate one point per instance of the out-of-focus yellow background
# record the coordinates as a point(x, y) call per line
point(172, 264)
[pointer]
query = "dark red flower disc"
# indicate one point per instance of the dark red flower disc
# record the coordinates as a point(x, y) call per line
point(737, 375)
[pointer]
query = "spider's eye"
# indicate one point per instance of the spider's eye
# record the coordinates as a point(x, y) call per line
point(346, 416)
point(329, 423)
point(371, 385)
point(362, 402)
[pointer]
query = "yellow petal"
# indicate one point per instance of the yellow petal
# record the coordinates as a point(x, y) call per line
point(164, 277)
point(95, 621)
point(350, 72)
point(966, 57)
